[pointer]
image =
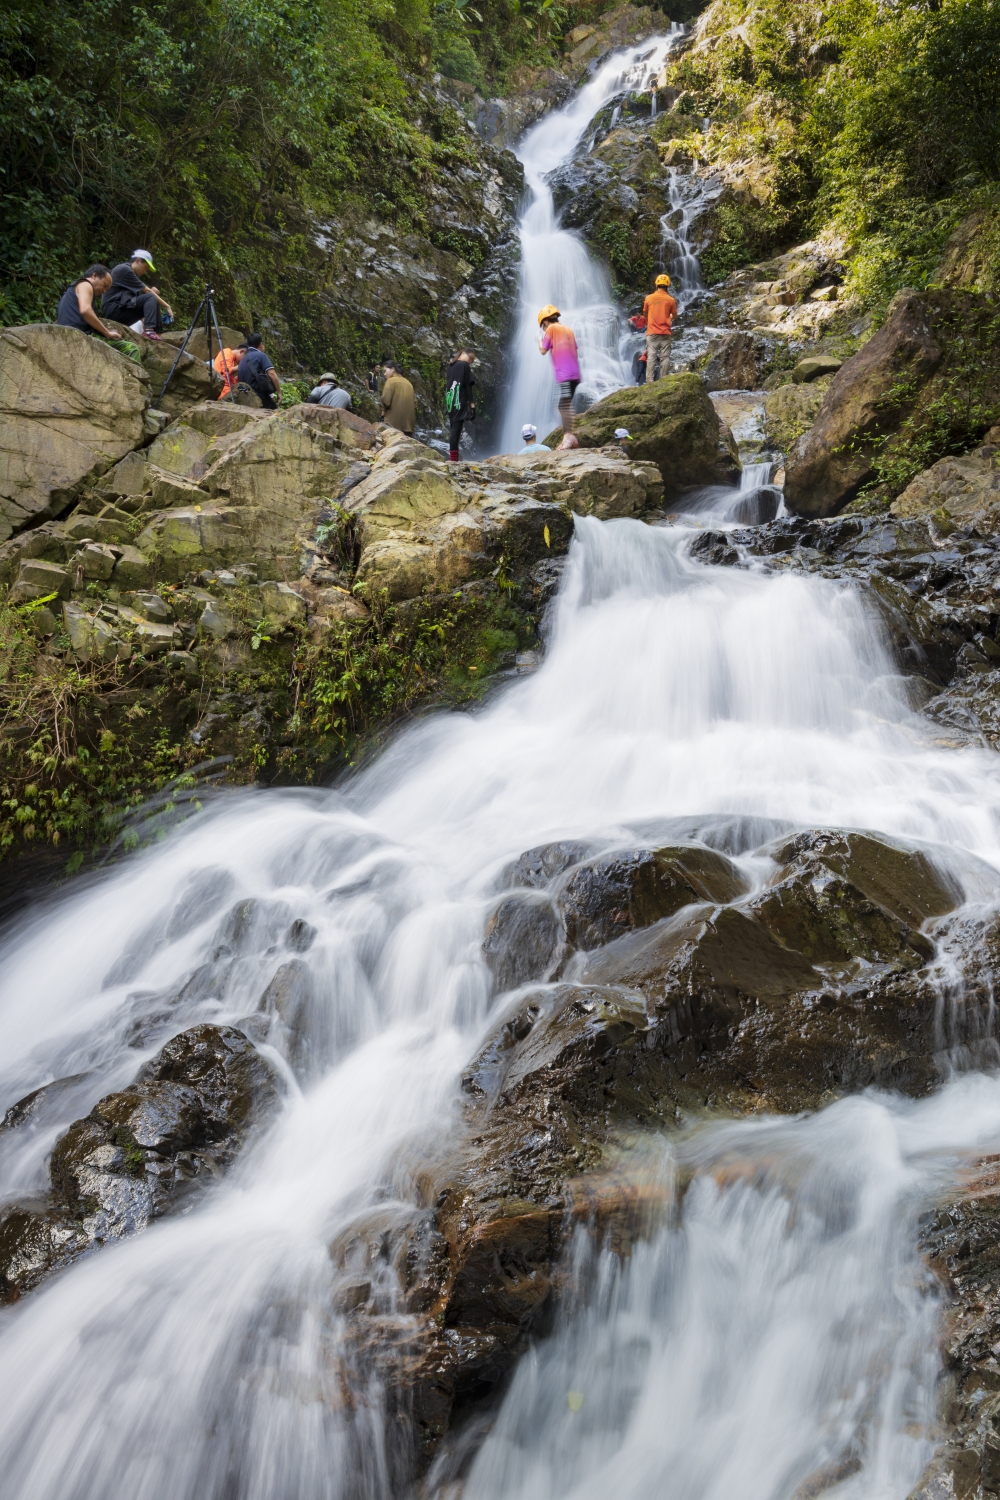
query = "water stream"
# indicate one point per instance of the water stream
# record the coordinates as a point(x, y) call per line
point(782, 1322)
point(556, 266)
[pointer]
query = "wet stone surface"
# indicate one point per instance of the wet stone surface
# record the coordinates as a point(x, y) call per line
point(140, 1153)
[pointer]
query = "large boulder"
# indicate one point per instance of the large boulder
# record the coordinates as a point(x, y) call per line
point(71, 406)
point(738, 361)
point(932, 363)
point(602, 483)
point(673, 424)
point(182, 446)
point(709, 998)
point(140, 1152)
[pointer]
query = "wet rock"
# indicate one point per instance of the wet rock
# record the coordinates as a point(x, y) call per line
point(524, 938)
point(606, 897)
point(756, 507)
point(34, 1242)
point(739, 361)
point(71, 407)
point(918, 354)
point(961, 1242)
point(537, 868)
point(673, 425)
point(188, 1114)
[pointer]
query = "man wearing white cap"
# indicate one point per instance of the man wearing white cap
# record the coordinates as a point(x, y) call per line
point(528, 436)
point(130, 301)
point(623, 437)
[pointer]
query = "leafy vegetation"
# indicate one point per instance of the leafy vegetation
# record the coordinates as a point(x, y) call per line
point(883, 120)
point(204, 127)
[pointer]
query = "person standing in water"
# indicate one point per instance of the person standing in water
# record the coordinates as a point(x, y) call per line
point(561, 343)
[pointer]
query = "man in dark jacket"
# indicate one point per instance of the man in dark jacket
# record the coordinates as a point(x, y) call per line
point(129, 299)
point(458, 398)
point(76, 305)
point(257, 371)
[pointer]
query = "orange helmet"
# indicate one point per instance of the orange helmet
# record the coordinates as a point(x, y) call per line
point(663, 281)
point(547, 312)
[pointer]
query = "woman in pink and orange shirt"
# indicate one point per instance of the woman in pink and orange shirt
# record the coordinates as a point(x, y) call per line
point(561, 343)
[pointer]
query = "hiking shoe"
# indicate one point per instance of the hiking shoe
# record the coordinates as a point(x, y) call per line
point(149, 333)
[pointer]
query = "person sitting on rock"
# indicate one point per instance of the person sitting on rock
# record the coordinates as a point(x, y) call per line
point(561, 343)
point(326, 392)
point(226, 364)
point(130, 301)
point(257, 371)
point(458, 398)
point(529, 437)
point(399, 401)
point(659, 310)
point(76, 305)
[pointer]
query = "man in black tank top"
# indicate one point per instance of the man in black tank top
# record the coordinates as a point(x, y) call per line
point(76, 305)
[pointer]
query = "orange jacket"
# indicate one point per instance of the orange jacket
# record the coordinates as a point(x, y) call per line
point(222, 359)
point(660, 310)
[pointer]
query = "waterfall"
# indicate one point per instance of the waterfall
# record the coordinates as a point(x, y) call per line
point(556, 266)
point(778, 1324)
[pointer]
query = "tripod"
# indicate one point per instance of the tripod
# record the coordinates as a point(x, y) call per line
point(211, 321)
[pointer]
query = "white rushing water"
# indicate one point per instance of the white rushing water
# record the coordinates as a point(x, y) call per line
point(782, 1323)
point(556, 266)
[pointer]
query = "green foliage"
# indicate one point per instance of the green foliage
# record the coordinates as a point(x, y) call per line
point(197, 128)
point(366, 675)
point(883, 119)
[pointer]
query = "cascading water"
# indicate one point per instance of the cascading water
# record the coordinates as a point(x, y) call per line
point(556, 266)
point(780, 1324)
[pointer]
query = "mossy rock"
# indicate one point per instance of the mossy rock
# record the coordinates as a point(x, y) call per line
point(673, 425)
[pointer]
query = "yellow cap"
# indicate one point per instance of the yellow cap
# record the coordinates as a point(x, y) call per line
point(663, 281)
point(548, 312)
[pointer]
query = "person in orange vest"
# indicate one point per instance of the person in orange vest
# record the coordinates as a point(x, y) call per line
point(226, 364)
point(659, 310)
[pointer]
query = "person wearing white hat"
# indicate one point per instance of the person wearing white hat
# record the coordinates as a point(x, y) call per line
point(129, 296)
point(623, 437)
point(529, 435)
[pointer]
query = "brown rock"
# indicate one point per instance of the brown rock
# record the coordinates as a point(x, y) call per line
point(70, 408)
point(921, 353)
point(673, 425)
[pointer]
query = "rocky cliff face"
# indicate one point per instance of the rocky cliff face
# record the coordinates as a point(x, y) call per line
point(354, 288)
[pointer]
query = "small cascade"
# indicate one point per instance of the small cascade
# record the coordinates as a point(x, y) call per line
point(652, 107)
point(756, 476)
point(616, 115)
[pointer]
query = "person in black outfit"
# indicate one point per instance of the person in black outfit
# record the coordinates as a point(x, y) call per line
point(257, 371)
point(76, 305)
point(130, 299)
point(458, 398)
